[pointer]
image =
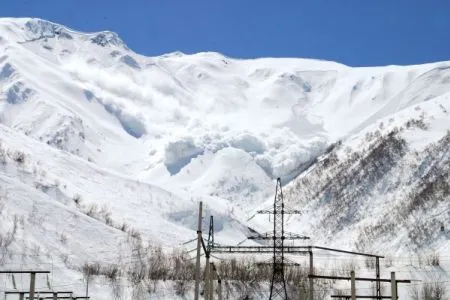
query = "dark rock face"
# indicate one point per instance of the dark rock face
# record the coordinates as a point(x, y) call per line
point(106, 38)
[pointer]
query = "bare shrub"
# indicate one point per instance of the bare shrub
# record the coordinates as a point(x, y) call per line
point(158, 264)
point(181, 287)
point(419, 260)
point(77, 199)
point(139, 291)
point(18, 157)
point(3, 154)
point(9, 237)
point(36, 250)
point(133, 233)
point(340, 293)
point(370, 262)
point(433, 260)
point(419, 123)
point(345, 268)
point(112, 272)
point(117, 290)
point(64, 258)
point(89, 270)
point(150, 264)
point(32, 216)
point(414, 292)
point(2, 203)
point(92, 210)
point(388, 261)
point(6, 239)
point(63, 238)
point(124, 227)
point(103, 214)
point(433, 290)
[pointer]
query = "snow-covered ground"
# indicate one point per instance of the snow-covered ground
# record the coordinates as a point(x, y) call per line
point(98, 142)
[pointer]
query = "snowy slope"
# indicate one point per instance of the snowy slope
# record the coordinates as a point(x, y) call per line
point(93, 132)
point(391, 182)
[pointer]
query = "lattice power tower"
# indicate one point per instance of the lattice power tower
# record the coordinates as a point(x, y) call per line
point(278, 284)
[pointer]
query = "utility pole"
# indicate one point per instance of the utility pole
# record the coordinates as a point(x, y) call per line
point(209, 266)
point(207, 279)
point(303, 294)
point(377, 274)
point(311, 271)
point(393, 286)
point(353, 285)
point(32, 284)
point(207, 249)
point(219, 289)
point(219, 282)
point(87, 281)
point(211, 282)
point(199, 245)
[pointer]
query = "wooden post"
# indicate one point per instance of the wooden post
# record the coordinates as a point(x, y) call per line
point(219, 291)
point(207, 279)
point(377, 275)
point(55, 296)
point(393, 286)
point(199, 245)
point(32, 284)
point(303, 294)
point(353, 285)
point(21, 296)
point(87, 282)
point(211, 282)
point(311, 272)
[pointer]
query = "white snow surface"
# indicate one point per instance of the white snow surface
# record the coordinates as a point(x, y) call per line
point(143, 139)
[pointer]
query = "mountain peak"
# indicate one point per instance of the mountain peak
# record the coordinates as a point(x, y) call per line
point(42, 27)
point(32, 29)
point(105, 38)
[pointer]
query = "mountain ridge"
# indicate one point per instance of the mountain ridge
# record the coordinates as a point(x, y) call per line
point(130, 144)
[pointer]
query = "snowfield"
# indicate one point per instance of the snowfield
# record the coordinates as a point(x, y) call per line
point(101, 146)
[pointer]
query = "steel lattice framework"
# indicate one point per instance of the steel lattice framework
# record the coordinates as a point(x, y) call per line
point(278, 284)
point(278, 249)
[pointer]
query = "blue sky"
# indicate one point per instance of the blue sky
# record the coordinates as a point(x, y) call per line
point(357, 33)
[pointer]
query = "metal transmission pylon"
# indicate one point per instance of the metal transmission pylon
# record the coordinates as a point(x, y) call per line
point(278, 284)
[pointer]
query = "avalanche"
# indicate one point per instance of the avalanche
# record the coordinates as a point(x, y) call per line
point(98, 143)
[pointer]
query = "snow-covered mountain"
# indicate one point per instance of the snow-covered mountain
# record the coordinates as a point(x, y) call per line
point(98, 143)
